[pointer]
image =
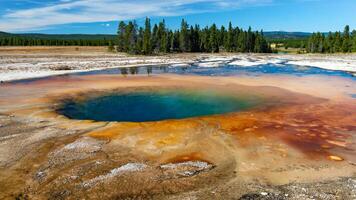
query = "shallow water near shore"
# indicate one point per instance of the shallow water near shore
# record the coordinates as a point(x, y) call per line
point(225, 70)
point(220, 70)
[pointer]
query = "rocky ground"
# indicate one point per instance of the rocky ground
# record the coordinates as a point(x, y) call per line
point(54, 185)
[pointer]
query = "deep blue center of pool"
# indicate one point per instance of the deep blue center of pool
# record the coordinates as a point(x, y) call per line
point(154, 106)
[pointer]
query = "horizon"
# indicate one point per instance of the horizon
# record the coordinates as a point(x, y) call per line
point(141, 25)
point(113, 34)
point(99, 17)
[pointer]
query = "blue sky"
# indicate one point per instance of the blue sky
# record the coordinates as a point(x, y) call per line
point(102, 16)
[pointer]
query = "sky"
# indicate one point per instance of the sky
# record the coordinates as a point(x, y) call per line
point(102, 16)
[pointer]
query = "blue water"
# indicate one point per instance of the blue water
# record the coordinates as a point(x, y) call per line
point(154, 106)
point(226, 70)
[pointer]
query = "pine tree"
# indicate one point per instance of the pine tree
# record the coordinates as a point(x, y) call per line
point(312, 43)
point(242, 42)
point(183, 37)
point(222, 37)
point(139, 44)
point(213, 39)
point(169, 40)
point(229, 39)
point(147, 38)
point(258, 44)
point(205, 40)
point(175, 42)
point(346, 47)
point(130, 38)
point(194, 38)
point(155, 39)
point(320, 42)
point(121, 38)
point(250, 40)
point(162, 37)
point(328, 43)
point(337, 42)
point(354, 41)
point(265, 47)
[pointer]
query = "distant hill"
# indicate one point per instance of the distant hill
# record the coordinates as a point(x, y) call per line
point(3, 34)
point(60, 36)
point(286, 35)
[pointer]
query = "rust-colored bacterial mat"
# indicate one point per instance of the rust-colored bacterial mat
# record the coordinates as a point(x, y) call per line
point(301, 129)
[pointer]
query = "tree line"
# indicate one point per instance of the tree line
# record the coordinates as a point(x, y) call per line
point(333, 42)
point(160, 39)
point(290, 42)
point(25, 41)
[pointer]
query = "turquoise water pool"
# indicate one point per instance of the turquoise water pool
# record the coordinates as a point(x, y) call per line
point(146, 106)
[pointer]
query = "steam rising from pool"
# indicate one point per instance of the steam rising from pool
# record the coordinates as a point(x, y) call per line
point(146, 106)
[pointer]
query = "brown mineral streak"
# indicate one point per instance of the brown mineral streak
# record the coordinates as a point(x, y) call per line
point(292, 125)
point(297, 119)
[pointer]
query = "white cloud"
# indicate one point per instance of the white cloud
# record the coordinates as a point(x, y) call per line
point(85, 11)
point(106, 25)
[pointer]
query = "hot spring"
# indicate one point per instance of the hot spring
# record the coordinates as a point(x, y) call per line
point(144, 106)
